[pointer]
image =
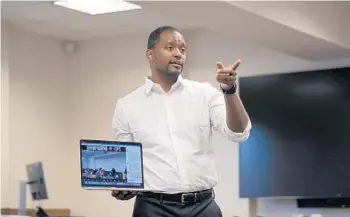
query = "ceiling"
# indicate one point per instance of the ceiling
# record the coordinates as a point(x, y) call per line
point(315, 31)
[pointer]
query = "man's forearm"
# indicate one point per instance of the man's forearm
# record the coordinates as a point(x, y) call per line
point(236, 116)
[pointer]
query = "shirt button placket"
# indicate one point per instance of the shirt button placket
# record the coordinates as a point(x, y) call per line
point(172, 124)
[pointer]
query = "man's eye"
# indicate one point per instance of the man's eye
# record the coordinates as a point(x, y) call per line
point(169, 48)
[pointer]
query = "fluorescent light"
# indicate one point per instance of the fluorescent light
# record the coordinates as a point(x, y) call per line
point(95, 7)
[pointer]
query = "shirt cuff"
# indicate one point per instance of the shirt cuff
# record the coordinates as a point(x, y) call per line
point(238, 137)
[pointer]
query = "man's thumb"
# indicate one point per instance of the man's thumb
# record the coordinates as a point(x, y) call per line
point(219, 65)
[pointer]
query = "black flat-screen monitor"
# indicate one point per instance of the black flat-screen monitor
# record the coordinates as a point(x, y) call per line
point(300, 140)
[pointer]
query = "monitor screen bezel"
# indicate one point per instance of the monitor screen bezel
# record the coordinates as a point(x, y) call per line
point(123, 143)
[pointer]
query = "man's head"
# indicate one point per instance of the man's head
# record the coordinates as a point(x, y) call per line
point(166, 51)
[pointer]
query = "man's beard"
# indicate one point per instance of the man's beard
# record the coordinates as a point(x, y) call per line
point(169, 75)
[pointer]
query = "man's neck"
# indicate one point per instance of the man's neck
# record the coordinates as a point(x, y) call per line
point(163, 81)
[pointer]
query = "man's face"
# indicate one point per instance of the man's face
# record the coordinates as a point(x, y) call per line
point(169, 55)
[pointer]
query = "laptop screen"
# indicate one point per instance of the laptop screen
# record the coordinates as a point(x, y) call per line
point(111, 164)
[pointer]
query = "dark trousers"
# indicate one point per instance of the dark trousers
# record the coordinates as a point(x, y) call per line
point(150, 207)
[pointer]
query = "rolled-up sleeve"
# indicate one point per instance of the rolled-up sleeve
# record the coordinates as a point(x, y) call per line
point(238, 137)
point(217, 110)
point(120, 124)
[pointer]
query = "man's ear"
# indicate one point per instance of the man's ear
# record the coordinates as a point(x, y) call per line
point(149, 55)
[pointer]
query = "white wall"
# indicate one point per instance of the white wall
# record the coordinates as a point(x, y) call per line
point(57, 99)
point(38, 114)
point(4, 147)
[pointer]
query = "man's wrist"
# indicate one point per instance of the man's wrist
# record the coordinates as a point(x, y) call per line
point(231, 90)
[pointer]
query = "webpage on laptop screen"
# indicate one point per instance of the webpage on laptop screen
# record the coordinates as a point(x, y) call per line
point(111, 165)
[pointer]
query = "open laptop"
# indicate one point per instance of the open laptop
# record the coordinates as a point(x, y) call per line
point(111, 165)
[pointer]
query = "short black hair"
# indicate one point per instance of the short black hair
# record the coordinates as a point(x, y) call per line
point(155, 35)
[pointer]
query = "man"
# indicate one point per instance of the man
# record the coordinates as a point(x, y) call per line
point(173, 118)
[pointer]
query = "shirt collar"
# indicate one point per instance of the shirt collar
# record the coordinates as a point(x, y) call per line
point(150, 85)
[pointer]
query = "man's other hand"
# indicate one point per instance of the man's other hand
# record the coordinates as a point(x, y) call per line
point(124, 195)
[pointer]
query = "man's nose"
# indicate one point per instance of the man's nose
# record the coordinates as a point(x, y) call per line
point(177, 53)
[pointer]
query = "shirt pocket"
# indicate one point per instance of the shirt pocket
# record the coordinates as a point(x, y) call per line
point(200, 123)
point(204, 132)
point(199, 113)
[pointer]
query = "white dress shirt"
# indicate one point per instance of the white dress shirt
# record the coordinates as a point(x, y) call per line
point(175, 130)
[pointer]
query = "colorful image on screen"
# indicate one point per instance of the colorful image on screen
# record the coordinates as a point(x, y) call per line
point(108, 164)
